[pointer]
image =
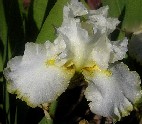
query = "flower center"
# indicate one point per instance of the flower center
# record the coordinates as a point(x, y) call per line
point(94, 68)
point(50, 62)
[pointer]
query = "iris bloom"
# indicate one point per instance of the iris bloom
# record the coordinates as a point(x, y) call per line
point(82, 45)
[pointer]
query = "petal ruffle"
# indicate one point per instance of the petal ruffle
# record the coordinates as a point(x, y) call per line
point(119, 49)
point(77, 8)
point(35, 77)
point(74, 9)
point(101, 23)
point(113, 94)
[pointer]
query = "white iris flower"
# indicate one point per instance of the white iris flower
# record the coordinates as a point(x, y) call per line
point(45, 70)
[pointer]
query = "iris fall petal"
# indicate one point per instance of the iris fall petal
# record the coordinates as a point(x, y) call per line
point(112, 93)
point(36, 76)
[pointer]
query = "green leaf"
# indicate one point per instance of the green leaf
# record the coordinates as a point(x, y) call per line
point(6, 104)
point(15, 26)
point(46, 121)
point(1, 67)
point(13, 46)
point(21, 7)
point(133, 16)
point(1, 106)
point(54, 18)
point(39, 8)
point(3, 26)
point(52, 108)
point(1, 62)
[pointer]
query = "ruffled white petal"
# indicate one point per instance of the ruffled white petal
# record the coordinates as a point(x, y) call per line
point(104, 25)
point(112, 94)
point(73, 10)
point(36, 77)
point(101, 23)
point(119, 49)
point(77, 8)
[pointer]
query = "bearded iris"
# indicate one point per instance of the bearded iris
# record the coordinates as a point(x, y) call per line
point(82, 45)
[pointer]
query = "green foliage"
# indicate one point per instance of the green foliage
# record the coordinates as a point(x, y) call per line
point(46, 121)
point(39, 9)
point(133, 17)
point(1, 67)
point(52, 108)
point(3, 26)
point(3, 36)
point(53, 20)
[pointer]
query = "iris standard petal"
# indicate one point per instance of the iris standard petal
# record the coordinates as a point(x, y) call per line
point(105, 51)
point(76, 39)
point(113, 92)
point(77, 8)
point(102, 24)
point(101, 52)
